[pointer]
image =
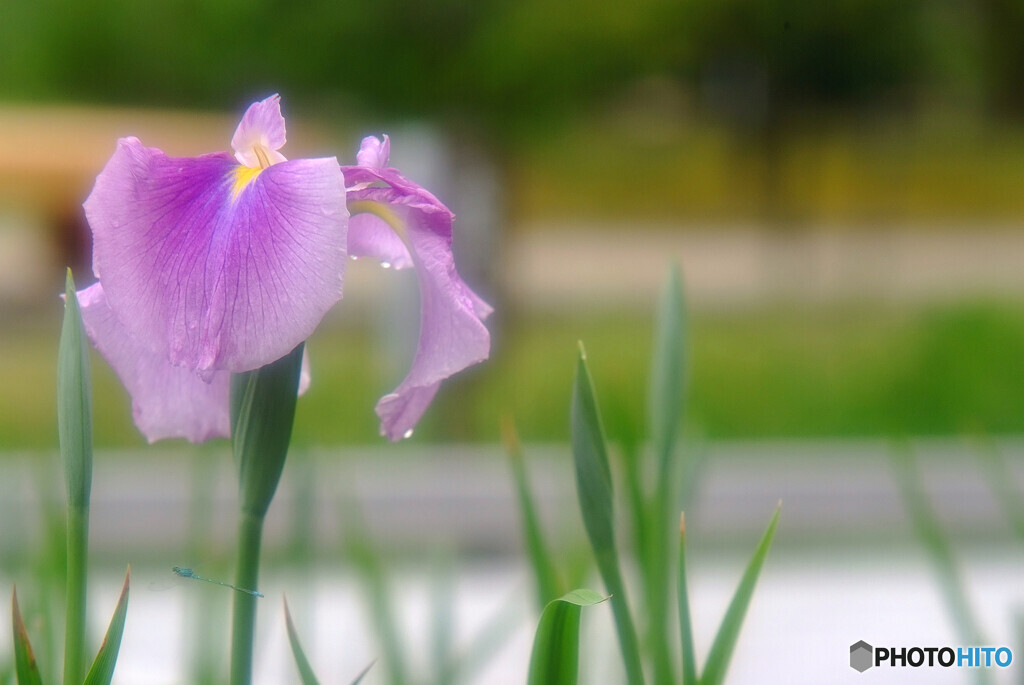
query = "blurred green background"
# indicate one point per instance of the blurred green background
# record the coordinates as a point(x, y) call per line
point(724, 122)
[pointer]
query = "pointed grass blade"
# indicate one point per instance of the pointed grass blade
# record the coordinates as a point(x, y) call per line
point(668, 369)
point(556, 645)
point(545, 575)
point(933, 538)
point(74, 401)
point(729, 631)
point(362, 674)
point(666, 395)
point(102, 670)
point(369, 563)
point(487, 641)
point(685, 621)
point(305, 669)
point(594, 489)
point(1002, 484)
point(74, 430)
point(25, 665)
point(301, 662)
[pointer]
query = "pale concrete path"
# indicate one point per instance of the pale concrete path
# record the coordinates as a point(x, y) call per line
point(413, 496)
point(559, 265)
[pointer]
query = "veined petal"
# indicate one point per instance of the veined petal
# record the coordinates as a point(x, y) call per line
point(167, 401)
point(370, 236)
point(374, 153)
point(261, 132)
point(452, 335)
point(212, 275)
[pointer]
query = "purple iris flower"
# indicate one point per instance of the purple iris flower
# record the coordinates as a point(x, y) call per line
point(223, 263)
point(402, 224)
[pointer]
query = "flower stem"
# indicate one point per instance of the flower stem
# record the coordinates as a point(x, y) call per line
point(262, 414)
point(74, 428)
point(243, 629)
point(74, 613)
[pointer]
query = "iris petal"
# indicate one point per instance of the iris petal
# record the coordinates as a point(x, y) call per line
point(261, 132)
point(167, 401)
point(452, 335)
point(213, 277)
point(370, 236)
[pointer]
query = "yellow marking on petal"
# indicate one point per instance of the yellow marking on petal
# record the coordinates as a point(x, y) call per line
point(380, 210)
point(244, 175)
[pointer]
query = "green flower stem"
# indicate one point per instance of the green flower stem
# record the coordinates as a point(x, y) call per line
point(74, 629)
point(262, 414)
point(250, 536)
point(74, 428)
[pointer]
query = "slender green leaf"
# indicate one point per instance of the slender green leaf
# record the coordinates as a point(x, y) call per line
point(667, 391)
point(25, 665)
point(305, 670)
point(362, 674)
point(594, 489)
point(545, 575)
point(102, 670)
point(729, 631)
point(668, 369)
point(74, 428)
point(442, 612)
point(556, 645)
point(685, 621)
point(74, 401)
point(483, 645)
point(368, 562)
point(1003, 484)
point(930, 532)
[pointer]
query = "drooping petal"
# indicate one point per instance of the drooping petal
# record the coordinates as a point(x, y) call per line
point(374, 153)
point(167, 401)
point(261, 131)
point(452, 335)
point(370, 236)
point(213, 265)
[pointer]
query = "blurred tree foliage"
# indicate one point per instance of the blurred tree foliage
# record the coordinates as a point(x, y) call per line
point(511, 66)
point(759, 61)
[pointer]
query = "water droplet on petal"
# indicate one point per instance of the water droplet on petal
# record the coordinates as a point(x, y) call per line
point(385, 265)
point(354, 258)
point(407, 434)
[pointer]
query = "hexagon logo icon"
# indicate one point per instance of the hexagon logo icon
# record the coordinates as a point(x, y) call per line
point(861, 656)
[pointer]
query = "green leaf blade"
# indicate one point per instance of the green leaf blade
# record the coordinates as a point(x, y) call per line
point(729, 631)
point(685, 620)
point(25, 665)
point(545, 575)
point(362, 674)
point(102, 670)
point(556, 644)
point(668, 368)
point(301, 662)
point(74, 429)
point(74, 400)
point(666, 395)
point(594, 489)
point(933, 537)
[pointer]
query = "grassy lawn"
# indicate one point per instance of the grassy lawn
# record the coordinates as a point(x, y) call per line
point(852, 371)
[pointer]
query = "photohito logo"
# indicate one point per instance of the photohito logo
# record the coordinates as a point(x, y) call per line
point(860, 656)
point(863, 656)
